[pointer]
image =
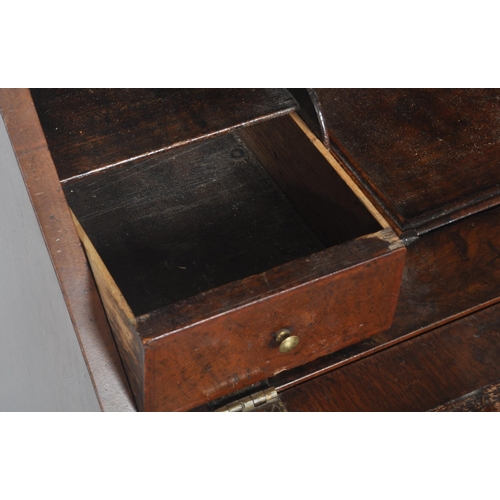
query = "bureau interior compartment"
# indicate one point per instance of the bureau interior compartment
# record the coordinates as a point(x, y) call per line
point(193, 218)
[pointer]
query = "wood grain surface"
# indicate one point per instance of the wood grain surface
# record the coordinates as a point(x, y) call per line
point(213, 260)
point(449, 273)
point(426, 157)
point(416, 375)
point(69, 261)
point(485, 399)
point(224, 339)
point(91, 129)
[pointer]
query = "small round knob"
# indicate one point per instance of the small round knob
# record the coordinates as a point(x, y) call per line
point(286, 340)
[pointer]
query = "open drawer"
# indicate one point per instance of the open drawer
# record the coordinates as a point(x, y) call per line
point(225, 261)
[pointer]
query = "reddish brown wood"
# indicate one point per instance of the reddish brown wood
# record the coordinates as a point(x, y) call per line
point(417, 375)
point(90, 129)
point(213, 205)
point(426, 157)
point(449, 273)
point(223, 340)
point(75, 278)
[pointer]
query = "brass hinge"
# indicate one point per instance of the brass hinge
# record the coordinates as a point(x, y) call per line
point(266, 400)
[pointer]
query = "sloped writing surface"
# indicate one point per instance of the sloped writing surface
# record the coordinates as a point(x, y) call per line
point(426, 157)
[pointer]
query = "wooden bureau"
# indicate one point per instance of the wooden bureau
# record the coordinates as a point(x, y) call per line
point(336, 248)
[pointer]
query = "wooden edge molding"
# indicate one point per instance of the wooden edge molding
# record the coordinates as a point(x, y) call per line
point(67, 255)
point(485, 399)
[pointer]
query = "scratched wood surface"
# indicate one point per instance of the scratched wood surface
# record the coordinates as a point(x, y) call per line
point(224, 340)
point(452, 272)
point(420, 374)
point(484, 399)
point(425, 156)
point(449, 273)
point(120, 317)
point(213, 259)
point(90, 129)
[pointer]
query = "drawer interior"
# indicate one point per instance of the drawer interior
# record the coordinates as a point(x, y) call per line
point(190, 219)
point(184, 222)
point(213, 220)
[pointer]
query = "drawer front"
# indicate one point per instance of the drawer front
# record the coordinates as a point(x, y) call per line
point(230, 351)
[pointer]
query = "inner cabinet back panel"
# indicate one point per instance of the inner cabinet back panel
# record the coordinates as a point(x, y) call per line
point(91, 129)
point(189, 220)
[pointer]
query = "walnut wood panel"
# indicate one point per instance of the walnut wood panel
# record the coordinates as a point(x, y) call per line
point(76, 281)
point(424, 156)
point(90, 129)
point(484, 399)
point(155, 209)
point(450, 272)
point(223, 340)
point(417, 375)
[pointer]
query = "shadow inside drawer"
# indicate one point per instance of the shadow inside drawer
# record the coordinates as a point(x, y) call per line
point(188, 220)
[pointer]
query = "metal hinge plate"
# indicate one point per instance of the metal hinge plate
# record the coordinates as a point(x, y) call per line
point(266, 400)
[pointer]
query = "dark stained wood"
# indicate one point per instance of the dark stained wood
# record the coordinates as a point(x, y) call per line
point(299, 273)
point(187, 221)
point(207, 260)
point(307, 179)
point(449, 273)
point(484, 399)
point(425, 157)
point(223, 340)
point(90, 129)
point(311, 112)
point(417, 375)
point(76, 281)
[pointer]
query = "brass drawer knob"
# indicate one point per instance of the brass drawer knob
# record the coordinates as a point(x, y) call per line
point(286, 340)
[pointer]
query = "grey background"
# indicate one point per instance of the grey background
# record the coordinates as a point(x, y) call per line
point(41, 363)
